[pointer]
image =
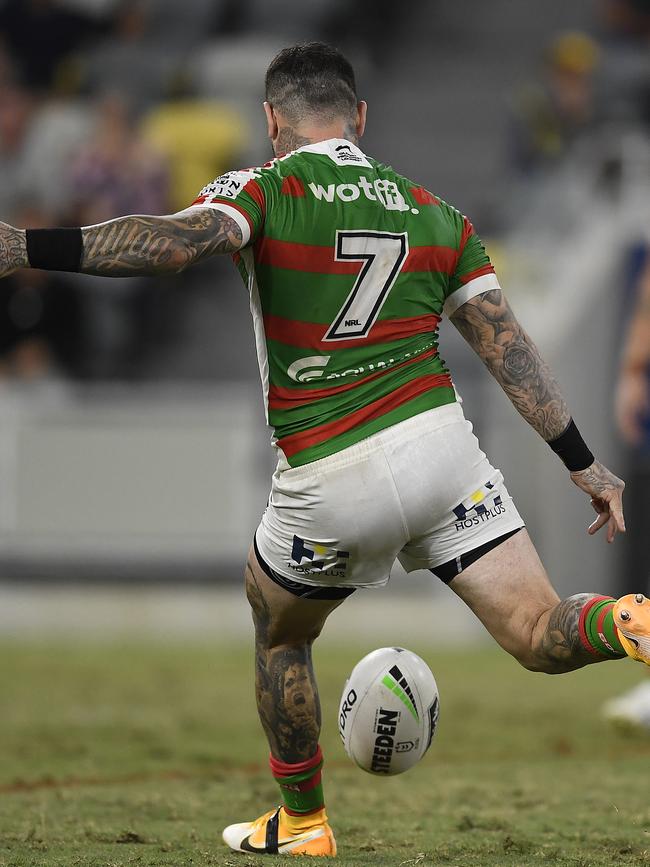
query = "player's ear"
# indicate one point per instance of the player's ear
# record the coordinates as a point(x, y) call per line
point(271, 121)
point(362, 111)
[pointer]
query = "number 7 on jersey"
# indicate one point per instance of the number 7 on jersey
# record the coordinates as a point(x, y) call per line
point(383, 254)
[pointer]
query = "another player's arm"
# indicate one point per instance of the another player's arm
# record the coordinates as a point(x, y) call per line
point(138, 244)
point(632, 399)
point(491, 328)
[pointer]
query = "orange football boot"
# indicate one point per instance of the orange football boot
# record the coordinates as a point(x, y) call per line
point(277, 833)
point(632, 619)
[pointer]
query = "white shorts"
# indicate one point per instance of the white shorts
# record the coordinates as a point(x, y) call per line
point(421, 491)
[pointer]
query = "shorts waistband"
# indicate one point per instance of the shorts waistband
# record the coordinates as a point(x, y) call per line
point(427, 421)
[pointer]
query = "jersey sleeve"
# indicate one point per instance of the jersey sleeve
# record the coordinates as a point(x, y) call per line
point(474, 273)
point(241, 195)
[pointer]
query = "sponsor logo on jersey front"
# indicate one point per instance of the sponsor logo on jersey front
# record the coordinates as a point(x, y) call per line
point(306, 369)
point(478, 508)
point(309, 558)
point(313, 366)
point(385, 193)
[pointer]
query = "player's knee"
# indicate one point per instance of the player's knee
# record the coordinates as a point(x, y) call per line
point(281, 633)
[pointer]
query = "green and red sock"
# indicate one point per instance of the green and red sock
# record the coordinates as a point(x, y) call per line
point(300, 784)
point(598, 631)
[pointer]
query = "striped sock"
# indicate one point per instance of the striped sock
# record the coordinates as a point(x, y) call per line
point(598, 631)
point(300, 784)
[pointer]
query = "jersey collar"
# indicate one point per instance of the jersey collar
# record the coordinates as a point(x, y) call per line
point(340, 150)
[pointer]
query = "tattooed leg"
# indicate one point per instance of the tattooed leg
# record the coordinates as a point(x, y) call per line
point(286, 690)
point(558, 643)
point(509, 591)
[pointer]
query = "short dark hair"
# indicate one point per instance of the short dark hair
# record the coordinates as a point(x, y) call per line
point(309, 79)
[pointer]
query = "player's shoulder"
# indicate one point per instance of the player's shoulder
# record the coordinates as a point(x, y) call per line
point(231, 183)
point(420, 195)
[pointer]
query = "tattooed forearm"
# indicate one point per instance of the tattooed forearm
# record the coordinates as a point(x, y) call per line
point(285, 686)
point(13, 249)
point(154, 245)
point(492, 330)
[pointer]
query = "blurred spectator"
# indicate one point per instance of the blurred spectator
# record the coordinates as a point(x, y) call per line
point(16, 116)
point(127, 61)
point(294, 22)
point(56, 129)
point(547, 116)
point(625, 71)
point(201, 138)
point(632, 407)
point(40, 34)
point(117, 172)
point(632, 413)
point(36, 143)
point(633, 387)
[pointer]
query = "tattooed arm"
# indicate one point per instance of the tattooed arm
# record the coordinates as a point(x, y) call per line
point(139, 244)
point(491, 328)
point(154, 245)
point(13, 249)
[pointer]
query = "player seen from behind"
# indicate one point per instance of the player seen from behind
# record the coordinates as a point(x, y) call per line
point(350, 267)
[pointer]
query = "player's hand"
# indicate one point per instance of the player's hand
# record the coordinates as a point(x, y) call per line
point(13, 249)
point(632, 403)
point(606, 492)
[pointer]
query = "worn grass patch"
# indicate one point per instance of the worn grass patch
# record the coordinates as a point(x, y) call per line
point(117, 755)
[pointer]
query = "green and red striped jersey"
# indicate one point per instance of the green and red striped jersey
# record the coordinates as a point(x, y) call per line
point(349, 267)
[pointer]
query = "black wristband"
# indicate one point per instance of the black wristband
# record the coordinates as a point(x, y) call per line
point(54, 249)
point(572, 449)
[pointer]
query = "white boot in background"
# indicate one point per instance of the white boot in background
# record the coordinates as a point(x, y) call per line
point(632, 708)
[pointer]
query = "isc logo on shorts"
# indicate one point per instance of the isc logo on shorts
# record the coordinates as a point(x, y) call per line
point(475, 510)
point(310, 557)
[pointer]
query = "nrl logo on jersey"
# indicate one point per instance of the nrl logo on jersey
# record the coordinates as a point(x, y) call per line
point(385, 193)
point(229, 185)
point(345, 154)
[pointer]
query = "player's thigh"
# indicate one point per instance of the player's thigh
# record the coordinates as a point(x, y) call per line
point(280, 616)
point(508, 590)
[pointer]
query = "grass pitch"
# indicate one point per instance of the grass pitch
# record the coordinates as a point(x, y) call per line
point(115, 754)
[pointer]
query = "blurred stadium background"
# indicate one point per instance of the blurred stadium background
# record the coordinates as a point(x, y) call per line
point(134, 462)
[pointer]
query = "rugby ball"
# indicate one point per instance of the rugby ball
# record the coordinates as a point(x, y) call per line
point(388, 711)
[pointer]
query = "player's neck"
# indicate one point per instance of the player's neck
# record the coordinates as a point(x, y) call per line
point(290, 138)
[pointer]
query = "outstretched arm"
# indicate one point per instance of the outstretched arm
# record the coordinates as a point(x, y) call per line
point(138, 244)
point(491, 328)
